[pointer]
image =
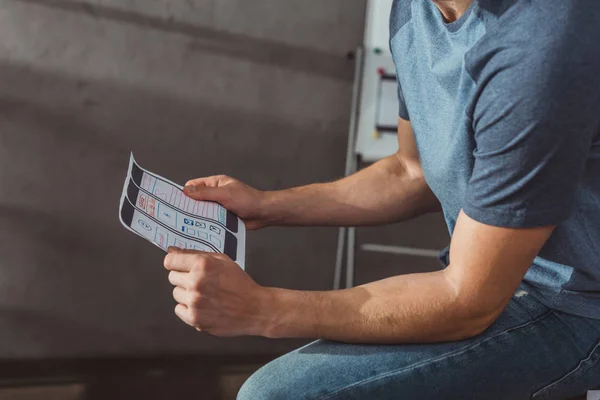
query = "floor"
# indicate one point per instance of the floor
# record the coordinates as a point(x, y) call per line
point(155, 388)
point(154, 385)
point(188, 377)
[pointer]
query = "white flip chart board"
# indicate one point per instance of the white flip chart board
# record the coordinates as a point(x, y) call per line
point(377, 24)
point(378, 108)
point(376, 135)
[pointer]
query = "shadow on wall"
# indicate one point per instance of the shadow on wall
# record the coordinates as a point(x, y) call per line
point(219, 42)
point(44, 270)
point(82, 116)
point(29, 332)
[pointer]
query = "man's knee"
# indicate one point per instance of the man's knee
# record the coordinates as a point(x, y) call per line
point(262, 386)
point(293, 376)
point(306, 373)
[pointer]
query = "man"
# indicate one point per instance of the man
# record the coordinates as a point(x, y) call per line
point(500, 129)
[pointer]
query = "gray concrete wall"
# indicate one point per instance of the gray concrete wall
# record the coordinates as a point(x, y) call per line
point(259, 90)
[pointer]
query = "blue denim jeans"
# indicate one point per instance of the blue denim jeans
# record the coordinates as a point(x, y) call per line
point(530, 352)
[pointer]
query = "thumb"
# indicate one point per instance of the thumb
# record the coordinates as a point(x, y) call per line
point(203, 193)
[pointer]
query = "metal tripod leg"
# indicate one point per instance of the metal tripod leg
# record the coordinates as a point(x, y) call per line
point(351, 167)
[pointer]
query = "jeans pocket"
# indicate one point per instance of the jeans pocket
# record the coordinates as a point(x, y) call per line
point(585, 376)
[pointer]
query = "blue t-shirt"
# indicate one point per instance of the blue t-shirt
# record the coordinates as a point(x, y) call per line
point(505, 107)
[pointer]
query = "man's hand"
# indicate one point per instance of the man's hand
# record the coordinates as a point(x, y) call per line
point(215, 295)
point(241, 199)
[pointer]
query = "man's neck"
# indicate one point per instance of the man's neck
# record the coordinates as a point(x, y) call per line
point(452, 9)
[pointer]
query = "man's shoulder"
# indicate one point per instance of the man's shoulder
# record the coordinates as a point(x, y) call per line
point(400, 15)
point(534, 32)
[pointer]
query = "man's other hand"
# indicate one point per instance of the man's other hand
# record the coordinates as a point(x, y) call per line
point(235, 196)
point(215, 295)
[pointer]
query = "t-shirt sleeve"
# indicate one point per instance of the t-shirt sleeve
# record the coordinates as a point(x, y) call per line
point(399, 16)
point(402, 111)
point(535, 117)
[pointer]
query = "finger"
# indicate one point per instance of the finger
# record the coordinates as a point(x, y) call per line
point(183, 313)
point(180, 261)
point(181, 279)
point(252, 225)
point(207, 254)
point(177, 250)
point(210, 181)
point(181, 296)
point(205, 193)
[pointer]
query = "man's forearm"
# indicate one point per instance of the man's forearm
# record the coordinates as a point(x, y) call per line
point(405, 309)
point(388, 191)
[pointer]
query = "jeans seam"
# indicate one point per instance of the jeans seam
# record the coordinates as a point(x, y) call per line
point(440, 358)
point(568, 374)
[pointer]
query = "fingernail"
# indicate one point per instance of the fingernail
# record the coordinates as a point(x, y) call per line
point(189, 189)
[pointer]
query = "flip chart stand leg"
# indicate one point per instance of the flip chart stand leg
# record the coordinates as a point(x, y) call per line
point(350, 257)
point(351, 167)
point(339, 259)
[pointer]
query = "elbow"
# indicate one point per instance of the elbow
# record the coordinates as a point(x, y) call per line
point(479, 324)
point(472, 322)
point(473, 312)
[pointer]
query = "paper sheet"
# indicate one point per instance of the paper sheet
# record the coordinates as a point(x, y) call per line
point(157, 210)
